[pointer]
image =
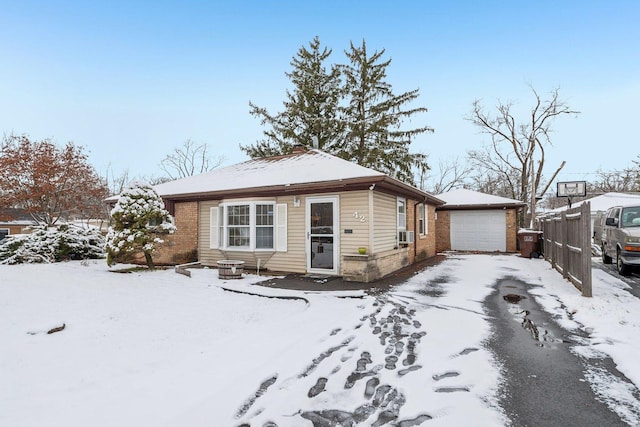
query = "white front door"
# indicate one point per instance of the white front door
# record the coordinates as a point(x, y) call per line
point(322, 234)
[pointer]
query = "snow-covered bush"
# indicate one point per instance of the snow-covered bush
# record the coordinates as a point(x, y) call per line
point(47, 244)
point(139, 219)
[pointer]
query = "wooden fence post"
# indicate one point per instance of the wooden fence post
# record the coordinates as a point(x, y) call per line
point(585, 232)
point(564, 236)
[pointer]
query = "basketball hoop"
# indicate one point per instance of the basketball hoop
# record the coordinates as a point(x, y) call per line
point(571, 189)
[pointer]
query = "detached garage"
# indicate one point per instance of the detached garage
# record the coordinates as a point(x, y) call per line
point(473, 221)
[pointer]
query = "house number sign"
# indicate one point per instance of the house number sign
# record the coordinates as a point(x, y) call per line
point(361, 218)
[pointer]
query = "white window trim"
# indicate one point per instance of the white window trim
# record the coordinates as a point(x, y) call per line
point(422, 215)
point(219, 227)
point(250, 226)
point(403, 215)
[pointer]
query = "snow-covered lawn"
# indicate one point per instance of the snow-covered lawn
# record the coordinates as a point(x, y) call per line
point(159, 348)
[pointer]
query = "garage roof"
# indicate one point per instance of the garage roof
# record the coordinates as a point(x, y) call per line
point(469, 199)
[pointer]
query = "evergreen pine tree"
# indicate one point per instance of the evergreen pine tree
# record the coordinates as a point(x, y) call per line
point(139, 219)
point(310, 116)
point(374, 137)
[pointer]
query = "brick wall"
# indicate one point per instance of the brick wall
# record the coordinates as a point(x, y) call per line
point(411, 215)
point(443, 231)
point(424, 246)
point(512, 230)
point(182, 246)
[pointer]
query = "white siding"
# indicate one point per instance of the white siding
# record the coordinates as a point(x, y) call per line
point(294, 259)
point(354, 217)
point(386, 222)
point(206, 254)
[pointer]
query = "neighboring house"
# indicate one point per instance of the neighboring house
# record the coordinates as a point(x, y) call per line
point(307, 212)
point(14, 221)
point(601, 204)
point(473, 221)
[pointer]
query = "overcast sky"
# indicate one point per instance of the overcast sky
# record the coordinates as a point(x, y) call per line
point(132, 80)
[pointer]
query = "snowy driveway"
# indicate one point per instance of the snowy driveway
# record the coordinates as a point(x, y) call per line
point(439, 348)
point(162, 349)
point(633, 279)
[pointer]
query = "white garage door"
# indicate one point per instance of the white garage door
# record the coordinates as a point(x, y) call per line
point(483, 230)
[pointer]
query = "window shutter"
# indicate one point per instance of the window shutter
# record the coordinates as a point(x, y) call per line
point(281, 227)
point(214, 229)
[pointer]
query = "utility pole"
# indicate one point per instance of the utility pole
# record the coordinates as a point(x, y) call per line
point(533, 197)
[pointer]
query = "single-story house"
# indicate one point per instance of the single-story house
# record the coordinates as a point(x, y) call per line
point(14, 221)
point(474, 221)
point(307, 212)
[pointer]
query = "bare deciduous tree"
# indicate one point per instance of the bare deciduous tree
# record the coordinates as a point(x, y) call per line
point(450, 174)
point(189, 159)
point(492, 175)
point(620, 181)
point(116, 183)
point(516, 153)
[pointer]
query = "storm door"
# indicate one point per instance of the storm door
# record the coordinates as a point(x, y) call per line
point(322, 235)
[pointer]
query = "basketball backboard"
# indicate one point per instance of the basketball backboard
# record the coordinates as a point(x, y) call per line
point(572, 189)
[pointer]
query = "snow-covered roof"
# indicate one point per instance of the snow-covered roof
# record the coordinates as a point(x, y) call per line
point(469, 198)
point(307, 167)
point(294, 172)
point(606, 201)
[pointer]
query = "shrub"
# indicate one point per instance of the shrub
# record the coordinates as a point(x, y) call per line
point(139, 223)
point(45, 245)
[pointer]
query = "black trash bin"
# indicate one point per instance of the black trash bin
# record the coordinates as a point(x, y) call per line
point(530, 243)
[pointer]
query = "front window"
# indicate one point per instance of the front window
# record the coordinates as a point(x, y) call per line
point(248, 226)
point(264, 226)
point(4, 232)
point(238, 226)
point(421, 220)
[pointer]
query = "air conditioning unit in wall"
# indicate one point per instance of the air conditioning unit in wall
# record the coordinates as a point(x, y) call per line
point(405, 237)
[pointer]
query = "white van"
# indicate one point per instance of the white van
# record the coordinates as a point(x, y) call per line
point(621, 238)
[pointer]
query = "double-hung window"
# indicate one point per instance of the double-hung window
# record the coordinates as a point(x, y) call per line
point(422, 223)
point(237, 226)
point(246, 226)
point(264, 227)
point(402, 214)
point(404, 237)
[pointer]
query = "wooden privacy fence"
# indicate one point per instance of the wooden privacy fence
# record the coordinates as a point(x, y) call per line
point(567, 245)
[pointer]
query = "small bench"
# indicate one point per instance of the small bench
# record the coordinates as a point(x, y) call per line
point(230, 269)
